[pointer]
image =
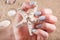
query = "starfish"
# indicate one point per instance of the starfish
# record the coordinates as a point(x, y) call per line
point(28, 18)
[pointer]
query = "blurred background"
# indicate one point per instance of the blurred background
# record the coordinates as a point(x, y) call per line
point(53, 4)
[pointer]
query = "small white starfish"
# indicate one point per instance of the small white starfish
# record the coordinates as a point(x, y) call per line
point(28, 18)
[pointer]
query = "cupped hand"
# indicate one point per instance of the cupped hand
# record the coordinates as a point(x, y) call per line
point(39, 33)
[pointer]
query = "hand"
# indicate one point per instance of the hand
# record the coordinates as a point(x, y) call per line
point(41, 33)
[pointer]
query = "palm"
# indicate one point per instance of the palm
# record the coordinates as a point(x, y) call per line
point(22, 33)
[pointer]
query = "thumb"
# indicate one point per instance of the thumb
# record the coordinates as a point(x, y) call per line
point(19, 32)
point(18, 18)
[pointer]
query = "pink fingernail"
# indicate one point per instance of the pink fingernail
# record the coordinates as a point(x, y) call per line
point(38, 26)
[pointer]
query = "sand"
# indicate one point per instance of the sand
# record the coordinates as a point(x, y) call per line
point(53, 4)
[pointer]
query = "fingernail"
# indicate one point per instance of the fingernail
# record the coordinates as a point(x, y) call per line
point(42, 18)
point(38, 26)
point(37, 13)
point(33, 3)
point(33, 30)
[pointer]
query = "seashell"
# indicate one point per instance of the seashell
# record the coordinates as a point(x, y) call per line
point(11, 12)
point(10, 1)
point(5, 23)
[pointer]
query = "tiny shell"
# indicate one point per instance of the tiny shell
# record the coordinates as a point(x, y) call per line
point(4, 23)
point(10, 1)
point(11, 12)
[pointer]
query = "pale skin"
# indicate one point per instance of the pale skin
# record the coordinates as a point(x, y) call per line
point(40, 33)
point(23, 34)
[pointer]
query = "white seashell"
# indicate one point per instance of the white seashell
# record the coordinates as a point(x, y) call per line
point(5, 23)
point(11, 13)
point(10, 1)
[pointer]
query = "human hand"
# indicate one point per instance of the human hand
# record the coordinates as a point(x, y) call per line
point(39, 33)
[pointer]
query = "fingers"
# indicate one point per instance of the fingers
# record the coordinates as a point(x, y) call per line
point(51, 19)
point(46, 11)
point(41, 33)
point(40, 38)
point(48, 18)
point(47, 27)
point(46, 14)
point(27, 5)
